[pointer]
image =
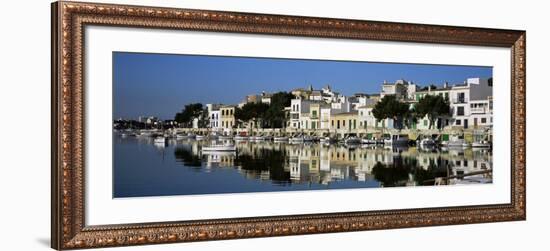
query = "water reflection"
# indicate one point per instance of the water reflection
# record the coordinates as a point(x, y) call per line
point(286, 164)
point(143, 167)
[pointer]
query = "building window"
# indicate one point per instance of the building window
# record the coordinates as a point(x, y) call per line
point(425, 122)
point(460, 111)
point(483, 120)
point(458, 122)
point(461, 97)
point(338, 124)
point(344, 123)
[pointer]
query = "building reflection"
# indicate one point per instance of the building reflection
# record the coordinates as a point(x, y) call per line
point(287, 164)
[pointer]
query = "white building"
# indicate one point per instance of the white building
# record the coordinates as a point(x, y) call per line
point(400, 89)
point(366, 118)
point(476, 94)
point(471, 104)
point(214, 116)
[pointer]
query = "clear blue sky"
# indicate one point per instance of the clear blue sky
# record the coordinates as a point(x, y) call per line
point(161, 84)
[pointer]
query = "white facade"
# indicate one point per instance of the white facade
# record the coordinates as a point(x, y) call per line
point(366, 118)
point(325, 117)
point(214, 116)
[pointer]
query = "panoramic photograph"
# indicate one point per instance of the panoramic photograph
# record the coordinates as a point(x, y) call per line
point(200, 124)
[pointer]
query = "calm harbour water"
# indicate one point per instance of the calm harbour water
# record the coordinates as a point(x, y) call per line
point(143, 168)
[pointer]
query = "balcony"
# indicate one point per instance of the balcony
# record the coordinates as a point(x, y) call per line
point(460, 100)
point(478, 110)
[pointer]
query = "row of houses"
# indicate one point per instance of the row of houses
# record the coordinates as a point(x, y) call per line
point(470, 102)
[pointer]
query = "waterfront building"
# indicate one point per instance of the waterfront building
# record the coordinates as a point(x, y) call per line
point(227, 117)
point(470, 103)
point(400, 89)
point(297, 106)
point(214, 116)
point(344, 123)
point(325, 112)
point(365, 116)
point(301, 114)
point(474, 93)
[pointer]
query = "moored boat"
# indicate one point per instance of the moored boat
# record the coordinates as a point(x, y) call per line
point(160, 140)
point(426, 142)
point(352, 140)
point(280, 139)
point(241, 137)
point(219, 148)
point(257, 138)
point(327, 140)
point(181, 136)
point(397, 140)
point(481, 144)
point(456, 141)
point(225, 137)
point(368, 141)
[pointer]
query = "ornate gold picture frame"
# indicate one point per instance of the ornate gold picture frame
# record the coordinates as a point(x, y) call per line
point(69, 230)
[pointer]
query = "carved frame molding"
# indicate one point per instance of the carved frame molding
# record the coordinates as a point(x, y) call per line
point(68, 22)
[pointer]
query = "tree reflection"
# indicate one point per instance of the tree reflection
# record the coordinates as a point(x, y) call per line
point(187, 157)
point(272, 161)
point(404, 170)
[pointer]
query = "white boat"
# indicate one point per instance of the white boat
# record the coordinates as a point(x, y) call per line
point(280, 139)
point(145, 134)
point(368, 141)
point(219, 148)
point(225, 137)
point(240, 137)
point(397, 140)
point(200, 137)
point(308, 138)
point(301, 138)
point(257, 138)
point(327, 140)
point(455, 141)
point(181, 136)
point(296, 139)
point(352, 140)
point(481, 144)
point(127, 134)
point(427, 142)
point(160, 140)
point(458, 143)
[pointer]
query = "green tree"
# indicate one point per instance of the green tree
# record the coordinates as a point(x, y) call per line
point(434, 106)
point(390, 108)
point(251, 111)
point(190, 112)
point(275, 114)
